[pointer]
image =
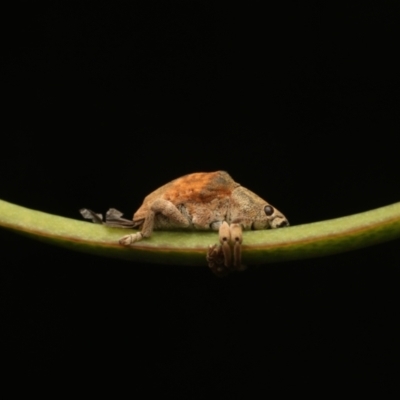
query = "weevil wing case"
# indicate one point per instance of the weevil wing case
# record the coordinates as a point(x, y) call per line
point(200, 187)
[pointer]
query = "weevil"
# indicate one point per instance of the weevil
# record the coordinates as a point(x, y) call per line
point(200, 201)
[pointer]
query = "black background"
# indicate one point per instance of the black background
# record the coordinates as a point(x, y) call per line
point(103, 103)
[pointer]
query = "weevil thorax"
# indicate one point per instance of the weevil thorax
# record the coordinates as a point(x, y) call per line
point(253, 212)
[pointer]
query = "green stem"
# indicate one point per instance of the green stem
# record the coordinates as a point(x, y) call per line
point(189, 248)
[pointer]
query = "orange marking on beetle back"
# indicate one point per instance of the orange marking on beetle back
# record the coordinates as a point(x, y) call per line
point(200, 187)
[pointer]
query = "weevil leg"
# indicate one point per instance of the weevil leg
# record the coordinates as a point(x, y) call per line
point(146, 231)
point(114, 219)
point(169, 210)
point(89, 214)
point(216, 259)
point(228, 255)
point(127, 240)
point(236, 241)
point(225, 240)
point(160, 206)
point(219, 257)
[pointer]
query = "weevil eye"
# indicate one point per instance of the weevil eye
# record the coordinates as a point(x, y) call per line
point(269, 210)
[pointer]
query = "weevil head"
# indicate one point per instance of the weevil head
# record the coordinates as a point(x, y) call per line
point(268, 217)
point(253, 212)
point(275, 218)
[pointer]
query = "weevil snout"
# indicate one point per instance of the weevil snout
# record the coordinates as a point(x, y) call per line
point(279, 222)
point(285, 222)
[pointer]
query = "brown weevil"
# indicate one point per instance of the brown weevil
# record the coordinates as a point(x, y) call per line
point(200, 201)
